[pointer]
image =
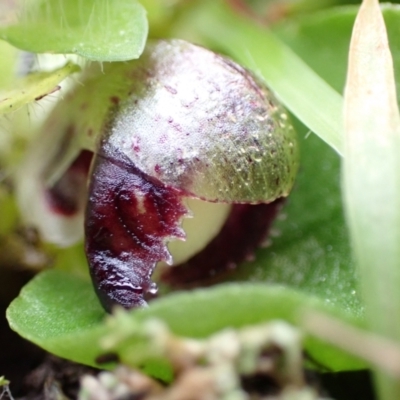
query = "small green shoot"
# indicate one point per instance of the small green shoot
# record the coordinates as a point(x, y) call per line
point(34, 87)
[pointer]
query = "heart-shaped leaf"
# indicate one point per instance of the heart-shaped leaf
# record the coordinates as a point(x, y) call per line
point(60, 313)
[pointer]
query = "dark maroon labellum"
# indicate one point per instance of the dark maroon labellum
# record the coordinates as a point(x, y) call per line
point(129, 218)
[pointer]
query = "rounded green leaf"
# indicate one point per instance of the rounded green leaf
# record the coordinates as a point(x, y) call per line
point(59, 312)
point(101, 30)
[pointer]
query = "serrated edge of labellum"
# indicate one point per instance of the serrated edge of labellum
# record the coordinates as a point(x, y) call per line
point(228, 249)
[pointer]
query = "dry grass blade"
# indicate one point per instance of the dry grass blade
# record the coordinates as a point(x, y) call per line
point(366, 345)
point(372, 164)
point(371, 174)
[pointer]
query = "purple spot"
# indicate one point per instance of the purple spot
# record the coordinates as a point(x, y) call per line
point(114, 100)
point(170, 89)
point(136, 144)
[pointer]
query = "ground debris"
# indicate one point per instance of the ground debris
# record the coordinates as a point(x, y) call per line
point(5, 392)
point(54, 379)
point(263, 362)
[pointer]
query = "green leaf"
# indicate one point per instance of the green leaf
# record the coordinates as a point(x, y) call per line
point(309, 247)
point(311, 251)
point(322, 40)
point(33, 87)
point(101, 30)
point(59, 312)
